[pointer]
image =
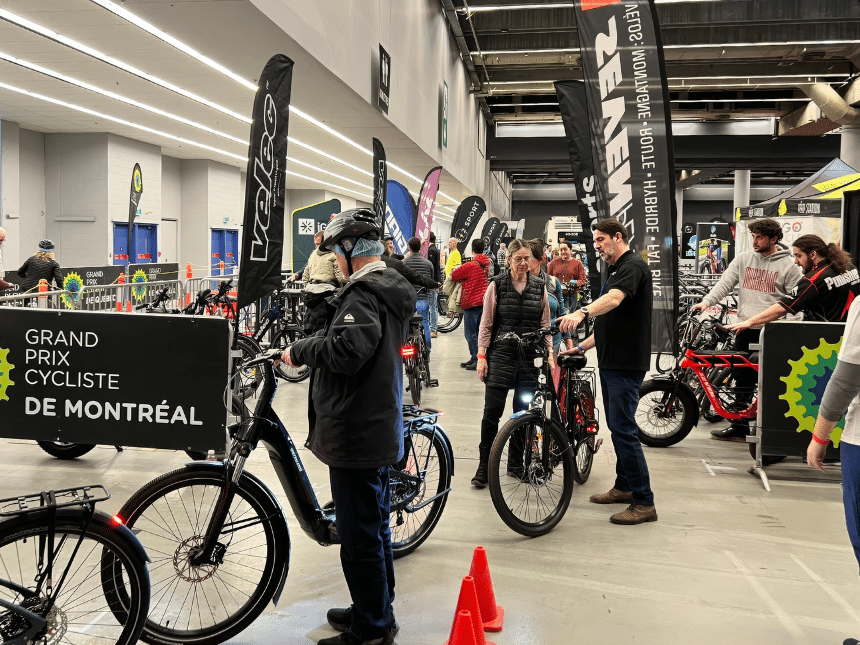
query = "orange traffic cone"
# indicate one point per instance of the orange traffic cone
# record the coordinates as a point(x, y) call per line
point(119, 306)
point(468, 602)
point(492, 614)
point(189, 272)
point(462, 632)
point(128, 306)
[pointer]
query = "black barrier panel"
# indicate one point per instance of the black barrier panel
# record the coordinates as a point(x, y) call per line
point(154, 381)
point(796, 362)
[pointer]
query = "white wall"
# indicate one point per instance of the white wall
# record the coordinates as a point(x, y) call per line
point(195, 238)
point(33, 225)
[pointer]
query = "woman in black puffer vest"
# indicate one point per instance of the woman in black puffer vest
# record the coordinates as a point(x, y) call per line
point(515, 301)
point(40, 266)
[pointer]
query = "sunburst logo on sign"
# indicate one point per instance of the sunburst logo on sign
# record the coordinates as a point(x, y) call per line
point(73, 283)
point(139, 293)
point(5, 368)
point(138, 181)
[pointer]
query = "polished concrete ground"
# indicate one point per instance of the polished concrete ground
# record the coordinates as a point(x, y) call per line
point(726, 562)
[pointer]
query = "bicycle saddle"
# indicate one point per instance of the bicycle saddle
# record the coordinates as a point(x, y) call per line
point(572, 361)
point(416, 318)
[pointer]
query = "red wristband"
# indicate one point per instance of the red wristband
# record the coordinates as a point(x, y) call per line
point(823, 442)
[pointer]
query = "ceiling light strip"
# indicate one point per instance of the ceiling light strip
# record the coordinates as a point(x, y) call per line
point(120, 121)
point(327, 172)
point(342, 188)
point(89, 51)
point(170, 40)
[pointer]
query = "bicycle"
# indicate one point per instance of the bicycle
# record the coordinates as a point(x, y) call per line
point(158, 304)
point(416, 360)
point(280, 323)
point(538, 454)
point(668, 407)
point(71, 574)
point(213, 526)
point(447, 320)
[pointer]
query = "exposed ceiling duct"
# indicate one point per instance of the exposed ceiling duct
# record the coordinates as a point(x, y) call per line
point(826, 112)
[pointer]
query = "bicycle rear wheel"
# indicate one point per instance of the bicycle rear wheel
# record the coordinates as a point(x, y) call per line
point(105, 596)
point(412, 372)
point(209, 603)
point(411, 522)
point(284, 339)
point(531, 496)
point(583, 441)
point(250, 377)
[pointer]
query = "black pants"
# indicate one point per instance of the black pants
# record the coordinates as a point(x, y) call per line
point(494, 406)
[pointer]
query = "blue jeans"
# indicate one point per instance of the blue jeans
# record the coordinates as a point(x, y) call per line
point(571, 301)
point(620, 397)
point(423, 308)
point(471, 323)
point(849, 455)
point(434, 309)
point(362, 501)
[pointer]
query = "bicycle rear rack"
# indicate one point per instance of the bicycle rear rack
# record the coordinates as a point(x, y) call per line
point(53, 499)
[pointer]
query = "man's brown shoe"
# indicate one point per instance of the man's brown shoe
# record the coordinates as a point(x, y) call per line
point(635, 514)
point(614, 496)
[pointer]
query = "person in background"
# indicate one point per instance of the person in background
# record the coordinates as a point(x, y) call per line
point(763, 277)
point(389, 248)
point(567, 269)
point(298, 274)
point(3, 283)
point(356, 419)
point(454, 259)
point(825, 292)
point(421, 266)
point(40, 266)
point(515, 301)
point(622, 336)
point(321, 277)
point(433, 258)
point(502, 257)
point(842, 394)
point(554, 292)
point(474, 275)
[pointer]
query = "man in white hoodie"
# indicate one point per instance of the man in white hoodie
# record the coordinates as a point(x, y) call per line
point(763, 276)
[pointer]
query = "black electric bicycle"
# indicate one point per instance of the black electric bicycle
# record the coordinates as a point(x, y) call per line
point(416, 360)
point(540, 452)
point(219, 538)
point(68, 573)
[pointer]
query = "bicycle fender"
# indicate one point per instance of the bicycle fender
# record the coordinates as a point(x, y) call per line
point(440, 432)
point(268, 493)
point(684, 390)
point(119, 527)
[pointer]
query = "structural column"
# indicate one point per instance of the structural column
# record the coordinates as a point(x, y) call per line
point(742, 189)
point(849, 145)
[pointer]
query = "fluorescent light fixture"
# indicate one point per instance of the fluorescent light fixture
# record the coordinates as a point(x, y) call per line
point(121, 121)
point(327, 172)
point(89, 51)
point(320, 181)
point(170, 40)
point(117, 97)
point(328, 156)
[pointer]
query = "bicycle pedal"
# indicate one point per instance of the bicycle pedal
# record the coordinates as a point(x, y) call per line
point(434, 382)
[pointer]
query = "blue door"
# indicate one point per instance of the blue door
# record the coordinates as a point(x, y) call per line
point(218, 252)
point(231, 247)
point(145, 243)
point(120, 244)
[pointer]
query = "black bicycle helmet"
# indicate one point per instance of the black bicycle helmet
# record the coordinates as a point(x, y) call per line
point(348, 227)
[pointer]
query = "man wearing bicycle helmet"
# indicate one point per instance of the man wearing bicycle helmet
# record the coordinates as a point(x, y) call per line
point(356, 360)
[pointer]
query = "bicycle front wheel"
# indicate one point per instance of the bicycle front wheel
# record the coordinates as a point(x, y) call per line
point(531, 476)
point(426, 457)
point(212, 602)
point(665, 414)
point(284, 339)
point(249, 377)
point(103, 599)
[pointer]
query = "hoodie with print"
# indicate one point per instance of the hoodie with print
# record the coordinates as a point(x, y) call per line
point(761, 281)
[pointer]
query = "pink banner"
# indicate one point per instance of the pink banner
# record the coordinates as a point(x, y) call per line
point(425, 208)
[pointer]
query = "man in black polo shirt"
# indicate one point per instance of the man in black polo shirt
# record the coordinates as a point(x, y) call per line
point(826, 290)
point(622, 335)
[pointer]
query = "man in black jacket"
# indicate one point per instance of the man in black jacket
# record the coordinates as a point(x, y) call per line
point(356, 418)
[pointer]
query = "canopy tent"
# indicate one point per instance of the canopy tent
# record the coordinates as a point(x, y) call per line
point(820, 194)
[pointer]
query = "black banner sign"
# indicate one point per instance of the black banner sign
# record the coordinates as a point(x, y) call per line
point(384, 80)
point(380, 182)
point(589, 193)
point(496, 241)
point(263, 224)
point(469, 213)
point(67, 377)
point(631, 133)
point(492, 229)
point(133, 201)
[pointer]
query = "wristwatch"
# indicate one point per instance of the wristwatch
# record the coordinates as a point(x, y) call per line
point(584, 310)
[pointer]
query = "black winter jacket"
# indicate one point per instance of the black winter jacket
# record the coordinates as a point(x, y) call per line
point(35, 269)
point(400, 266)
point(356, 392)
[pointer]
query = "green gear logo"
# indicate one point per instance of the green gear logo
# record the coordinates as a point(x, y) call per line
point(5, 368)
point(138, 292)
point(73, 283)
point(804, 387)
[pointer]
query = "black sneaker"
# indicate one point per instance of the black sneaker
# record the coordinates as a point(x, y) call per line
point(349, 638)
point(467, 363)
point(472, 366)
point(340, 618)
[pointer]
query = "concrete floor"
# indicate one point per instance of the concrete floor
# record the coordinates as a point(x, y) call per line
point(727, 561)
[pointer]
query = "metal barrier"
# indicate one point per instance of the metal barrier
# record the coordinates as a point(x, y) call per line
point(124, 297)
point(193, 286)
point(42, 300)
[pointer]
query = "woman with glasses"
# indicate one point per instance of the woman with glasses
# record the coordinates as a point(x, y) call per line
point(554, 292)
point(515, 301)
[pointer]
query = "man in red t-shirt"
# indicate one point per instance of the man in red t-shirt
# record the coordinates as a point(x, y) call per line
point(567, 268)
point(474, 275)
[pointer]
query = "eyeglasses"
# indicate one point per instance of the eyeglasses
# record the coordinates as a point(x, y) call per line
point(520, 260)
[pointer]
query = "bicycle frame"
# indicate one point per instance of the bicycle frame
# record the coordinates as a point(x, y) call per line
point(699, 363)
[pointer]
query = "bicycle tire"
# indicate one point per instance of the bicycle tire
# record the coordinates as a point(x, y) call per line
point(656, 428)
point(414, 382)
point(282, 340)
point(583, 443)
point(451, 319)
point(106, 593)
point(250, 378)
point(520, 487)
point(168, 535)
point(665, 362)
point(65, 450)
point(411, 526)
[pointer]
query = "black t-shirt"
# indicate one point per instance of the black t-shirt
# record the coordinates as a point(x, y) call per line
point(823, 295)
point(623, 335)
